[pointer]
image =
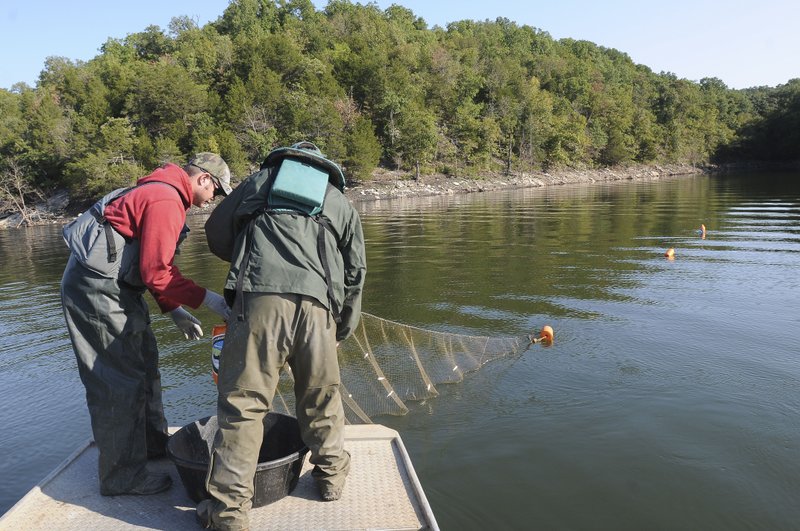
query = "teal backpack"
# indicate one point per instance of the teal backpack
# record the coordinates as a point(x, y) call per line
point(301, 178)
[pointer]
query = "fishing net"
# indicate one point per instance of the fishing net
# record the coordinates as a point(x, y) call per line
point(385, 364)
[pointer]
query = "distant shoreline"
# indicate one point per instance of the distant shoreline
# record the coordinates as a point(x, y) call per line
point(393, 185)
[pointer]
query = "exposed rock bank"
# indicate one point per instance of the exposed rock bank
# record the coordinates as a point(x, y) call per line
point(387, 185)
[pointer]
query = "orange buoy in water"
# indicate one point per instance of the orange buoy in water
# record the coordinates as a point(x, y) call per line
point(670, 253)
point(546, 333)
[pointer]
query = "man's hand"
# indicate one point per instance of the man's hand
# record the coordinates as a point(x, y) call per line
point(187, 323)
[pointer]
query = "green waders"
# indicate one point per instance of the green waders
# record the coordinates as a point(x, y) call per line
point(109, 325)
point(276, 329)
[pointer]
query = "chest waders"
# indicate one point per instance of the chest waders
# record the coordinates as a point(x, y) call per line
point(115, 348)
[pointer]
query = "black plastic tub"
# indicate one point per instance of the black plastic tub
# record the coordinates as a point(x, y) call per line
point(279, 461)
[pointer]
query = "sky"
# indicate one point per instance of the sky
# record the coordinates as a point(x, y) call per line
point(743, 43)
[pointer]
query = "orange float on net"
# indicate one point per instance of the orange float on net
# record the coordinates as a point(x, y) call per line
point(670, 253)
point(546, 334)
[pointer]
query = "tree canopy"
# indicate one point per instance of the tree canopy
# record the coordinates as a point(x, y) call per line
point(371, 87)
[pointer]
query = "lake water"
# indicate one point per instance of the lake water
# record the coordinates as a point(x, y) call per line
point(670, 399)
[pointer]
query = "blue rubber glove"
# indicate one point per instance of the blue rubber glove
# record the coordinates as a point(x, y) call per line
point(187, 323)
point(216, 303)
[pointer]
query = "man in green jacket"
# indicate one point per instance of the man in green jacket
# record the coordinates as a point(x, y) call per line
point(295, 295)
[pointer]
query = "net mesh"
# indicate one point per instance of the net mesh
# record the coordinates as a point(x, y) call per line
point(385, 364)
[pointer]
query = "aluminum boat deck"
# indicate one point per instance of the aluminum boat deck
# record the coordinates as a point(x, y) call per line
point(382, 492)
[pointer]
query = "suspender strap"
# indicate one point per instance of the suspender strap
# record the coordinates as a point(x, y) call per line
point(324, 225)
point(112, 246)
point(248, 244)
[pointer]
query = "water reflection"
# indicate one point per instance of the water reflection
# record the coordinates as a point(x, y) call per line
point(668, 401)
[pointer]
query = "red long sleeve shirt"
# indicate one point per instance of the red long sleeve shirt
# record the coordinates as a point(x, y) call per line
point(155, 215)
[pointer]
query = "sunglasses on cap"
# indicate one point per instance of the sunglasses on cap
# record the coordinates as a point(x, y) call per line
point(218, 190)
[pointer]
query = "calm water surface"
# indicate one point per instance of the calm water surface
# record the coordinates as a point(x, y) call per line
point(670, 399)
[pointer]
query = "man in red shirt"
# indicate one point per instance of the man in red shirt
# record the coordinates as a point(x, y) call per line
point(109, 323)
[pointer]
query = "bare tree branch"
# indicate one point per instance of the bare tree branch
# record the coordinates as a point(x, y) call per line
point(15, 187)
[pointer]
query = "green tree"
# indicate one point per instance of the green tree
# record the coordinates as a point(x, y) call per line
point(165, 101)
point(417, 138)
point(48, 135)
point(363, 151)
point(773, 136)
point(150, 44)
point(372, 86)
point(111, 165)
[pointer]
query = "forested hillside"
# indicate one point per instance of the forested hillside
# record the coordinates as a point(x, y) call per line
point(371, 87)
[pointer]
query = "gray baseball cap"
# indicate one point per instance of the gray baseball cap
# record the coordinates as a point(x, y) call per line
point(213, 164)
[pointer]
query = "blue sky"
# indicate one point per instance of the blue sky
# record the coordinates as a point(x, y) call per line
point(744, 43)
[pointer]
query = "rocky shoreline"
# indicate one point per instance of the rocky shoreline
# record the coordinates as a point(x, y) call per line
point(391, 185)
